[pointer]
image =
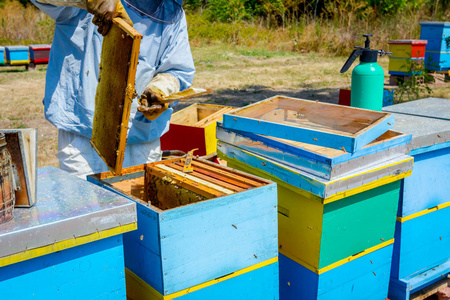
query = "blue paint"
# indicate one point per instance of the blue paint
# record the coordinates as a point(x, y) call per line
point(388, 97)
point(93, 270)
point(179, 248)
point(294, 177)
point(16, 53)
point(261, 283)
point(304, 135)
point(436, 50)
point(401, 289)
point(315, 163)
point(434, 147)
point(366, 277)
point(421, 243)
point(435, 33)
point(2, 56)
point(429, 183)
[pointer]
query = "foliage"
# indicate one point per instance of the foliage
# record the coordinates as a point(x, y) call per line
point(416, 82)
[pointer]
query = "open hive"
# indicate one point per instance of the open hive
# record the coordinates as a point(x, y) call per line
point(194, 127)
point(196, 227)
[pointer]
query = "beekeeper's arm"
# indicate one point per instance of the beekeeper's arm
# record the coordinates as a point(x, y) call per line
point(174, 73)
point(103, 10)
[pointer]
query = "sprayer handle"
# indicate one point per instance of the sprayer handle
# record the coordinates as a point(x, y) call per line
point(351, 59)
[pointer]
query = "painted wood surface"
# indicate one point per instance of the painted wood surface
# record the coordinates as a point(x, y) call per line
point(435, 33)
point(2, 56)
point(185, 246)
point(364, 278)
point(324, 162)
point(257, 282)
point(421, 243)
point(314, 186)
point(17, 55)
point(401, 289)
point(407, 48)
point(429, 183)
point(90, 271)
point(319, 235)
point(194, 127)
point(322, 124)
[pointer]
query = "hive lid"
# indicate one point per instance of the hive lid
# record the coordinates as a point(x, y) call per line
point(327, 163)
point(41, 46)
point(428, 120)
point(322, 124)
point(434, 23)
point(414, 42)
point(115, 90)
point(19, 47)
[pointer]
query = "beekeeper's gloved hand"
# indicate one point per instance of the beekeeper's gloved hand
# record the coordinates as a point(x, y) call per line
point(162, 85)
point(103, 10)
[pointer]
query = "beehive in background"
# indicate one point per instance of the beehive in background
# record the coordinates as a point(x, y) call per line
point(407, 56)
point(207, 232)
point(194, 127)
point(17, 55)
point(422, 237)
point(437, 54)
point(337, 209)
point(2, 56)
point(39, 54)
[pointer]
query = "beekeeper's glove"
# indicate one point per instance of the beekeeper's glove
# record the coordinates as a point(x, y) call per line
point(103, 10)
point(162, 85)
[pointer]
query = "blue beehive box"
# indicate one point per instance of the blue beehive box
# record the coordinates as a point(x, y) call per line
point(17, 55)
point(194, 228)
point(2, 56)
point(437, 53)
point(422, 234)
point(365, 277)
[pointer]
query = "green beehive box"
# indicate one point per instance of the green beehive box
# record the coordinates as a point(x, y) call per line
point(326, 223)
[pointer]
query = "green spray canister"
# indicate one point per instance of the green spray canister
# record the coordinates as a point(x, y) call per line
point(367, 77)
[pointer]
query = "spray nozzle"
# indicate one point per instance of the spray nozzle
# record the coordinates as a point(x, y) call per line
point(366, 54)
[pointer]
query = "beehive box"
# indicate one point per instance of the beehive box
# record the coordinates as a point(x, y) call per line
point(22, 145)
point(257, 282)
point(428, 120)
point(327, 163)
point(403, 51)
point(321, 222)
point(365, 277)
point(39, 54)
point(311, 122)
point(194, 127)
point(196, 227)
point(438, 48)
point(2, 56)
point(17, 55)
point(345, 97)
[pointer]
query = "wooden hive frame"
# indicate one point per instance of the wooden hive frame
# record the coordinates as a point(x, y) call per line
point(322, 124)
point(115, 93)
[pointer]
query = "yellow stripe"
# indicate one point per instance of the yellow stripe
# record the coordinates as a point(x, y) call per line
point(423, 212)
point(366, 187)
point(18, 62)
point(148, 292)
point(340, 262)
point(58, 246)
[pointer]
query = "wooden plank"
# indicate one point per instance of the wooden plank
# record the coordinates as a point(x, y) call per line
point(229, 175)
point(217, 116)
point(115, 90)
point(311, 122)
point(238, 184)
point(430, 290)
point(187, 116)
point(184, 182)
point(197, 173)
point(195, 179)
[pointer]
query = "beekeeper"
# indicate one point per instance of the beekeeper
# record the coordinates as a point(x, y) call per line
point(165, 67)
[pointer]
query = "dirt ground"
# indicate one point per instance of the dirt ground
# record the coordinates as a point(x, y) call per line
point(237, 76)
